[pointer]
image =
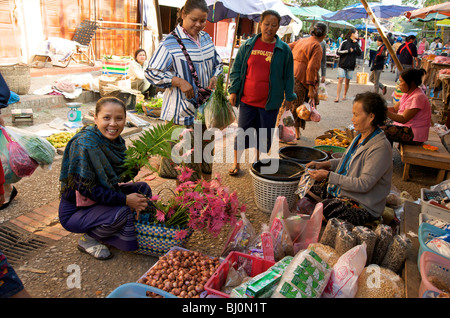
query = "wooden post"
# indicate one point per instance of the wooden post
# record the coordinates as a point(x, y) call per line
point(230, 63)
point(373, 18)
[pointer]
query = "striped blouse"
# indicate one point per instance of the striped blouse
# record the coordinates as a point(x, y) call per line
point(169, 61)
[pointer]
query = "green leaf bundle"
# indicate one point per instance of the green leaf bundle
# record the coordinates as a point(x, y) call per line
point(218, 111)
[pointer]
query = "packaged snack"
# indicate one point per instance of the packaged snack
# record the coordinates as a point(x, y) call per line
point(366, 235)
point(396, 253)
point(384, 238)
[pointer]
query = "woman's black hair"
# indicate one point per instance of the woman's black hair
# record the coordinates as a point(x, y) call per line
point(319, 29)
point(413, 75)
point(139, 51)
point(373, 103)
point(109, 99)
point(271, 12)
point(350, 32)
point(190, 5)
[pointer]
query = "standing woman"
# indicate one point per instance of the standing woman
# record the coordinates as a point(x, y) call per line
point(307, 53)
point(94, 199)
point(170, 68)
point(347, 51)
point(261, 77)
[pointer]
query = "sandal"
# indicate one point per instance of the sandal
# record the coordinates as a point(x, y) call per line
point(92, 247)
point(11, 197)
point(234, 172)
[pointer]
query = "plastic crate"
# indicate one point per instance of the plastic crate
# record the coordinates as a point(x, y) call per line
point(433, 211)
point(432, 264)
point(116, 66)
point(255, 266)
point(427, 232)
point(137, 290)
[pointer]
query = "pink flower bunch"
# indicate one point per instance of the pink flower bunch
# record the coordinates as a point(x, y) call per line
point(198, 205)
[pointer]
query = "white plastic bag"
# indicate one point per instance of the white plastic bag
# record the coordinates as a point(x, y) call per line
point(343, 282)
point(286, 127)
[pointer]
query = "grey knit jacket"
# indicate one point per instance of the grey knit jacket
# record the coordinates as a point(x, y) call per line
point(369, 176)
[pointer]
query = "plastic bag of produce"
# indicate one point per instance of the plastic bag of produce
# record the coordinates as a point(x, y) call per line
point(322, 92)
point(304, 112)
point(37, 147)
point(315, 116)
point(10, 176)
point(19, 160)
point(396, 253)
point(365, 235)
point(282, 239)
point(286, 127)
point(343, 282)
point(325, 252)
point(218, 112)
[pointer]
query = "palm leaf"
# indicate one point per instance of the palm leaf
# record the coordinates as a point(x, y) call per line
point(156, 141)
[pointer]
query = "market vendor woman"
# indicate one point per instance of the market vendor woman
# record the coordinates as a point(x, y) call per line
point(354, 188)
point(94, 201)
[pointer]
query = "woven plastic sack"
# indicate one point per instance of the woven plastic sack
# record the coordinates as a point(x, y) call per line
point(19, 160)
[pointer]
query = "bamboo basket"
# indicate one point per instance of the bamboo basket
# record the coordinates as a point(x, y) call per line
point(103, 84)
point(17, 77)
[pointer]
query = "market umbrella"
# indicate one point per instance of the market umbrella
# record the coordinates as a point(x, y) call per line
point(250, 9)
point(443, 8)
point(359, 11)
point(314, 13)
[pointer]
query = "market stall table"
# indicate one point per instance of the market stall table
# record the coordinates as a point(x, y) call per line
point(332, 60)
point(433, 75)
point(417, 155)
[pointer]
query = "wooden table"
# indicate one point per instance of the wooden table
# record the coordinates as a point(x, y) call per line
point(417, 155)
point(411, 274)
point(433, 75)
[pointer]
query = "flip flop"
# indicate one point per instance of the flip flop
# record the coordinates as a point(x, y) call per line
point(233, 172)
point(11, 197)
point(336, 100)
point(96, 251)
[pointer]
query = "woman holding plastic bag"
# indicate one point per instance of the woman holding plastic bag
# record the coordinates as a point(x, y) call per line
point(354, 188)
point(307, 54)
point(186, 64)
point(261, 77)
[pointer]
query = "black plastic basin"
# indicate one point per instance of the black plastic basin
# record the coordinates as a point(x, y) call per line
point(287, 170)
point(302, 154)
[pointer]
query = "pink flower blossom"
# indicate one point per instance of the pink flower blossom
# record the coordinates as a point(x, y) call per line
point(160, 216)
point(181, 235)
point(155, 198)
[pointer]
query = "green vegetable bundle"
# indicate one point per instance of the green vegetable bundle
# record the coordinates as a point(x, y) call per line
point(218, 111)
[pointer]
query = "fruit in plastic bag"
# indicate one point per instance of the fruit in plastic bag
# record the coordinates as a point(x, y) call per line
point(21, 163)
point(303, 112)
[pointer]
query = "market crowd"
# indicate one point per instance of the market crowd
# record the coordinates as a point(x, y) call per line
point(267, 78)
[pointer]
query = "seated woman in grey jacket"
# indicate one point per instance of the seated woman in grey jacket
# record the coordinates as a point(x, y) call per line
point(354, 188)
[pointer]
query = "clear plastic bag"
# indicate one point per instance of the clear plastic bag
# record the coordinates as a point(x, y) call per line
point(38, 148)
point(10, 176)
point(286, 127)
point(315, 116)
point(365, 235)
point(322, 92)
point(305, 184)
point(241, 237)
point(19, 160)
point(384, 238)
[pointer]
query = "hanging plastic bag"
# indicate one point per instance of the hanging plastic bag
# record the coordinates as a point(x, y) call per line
point(286, 127)
point(322, 92)
point(38, 148)
point(315, 116)
point(19, 160)
point(304, 112)
point(218, 111)
point(10, 176)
